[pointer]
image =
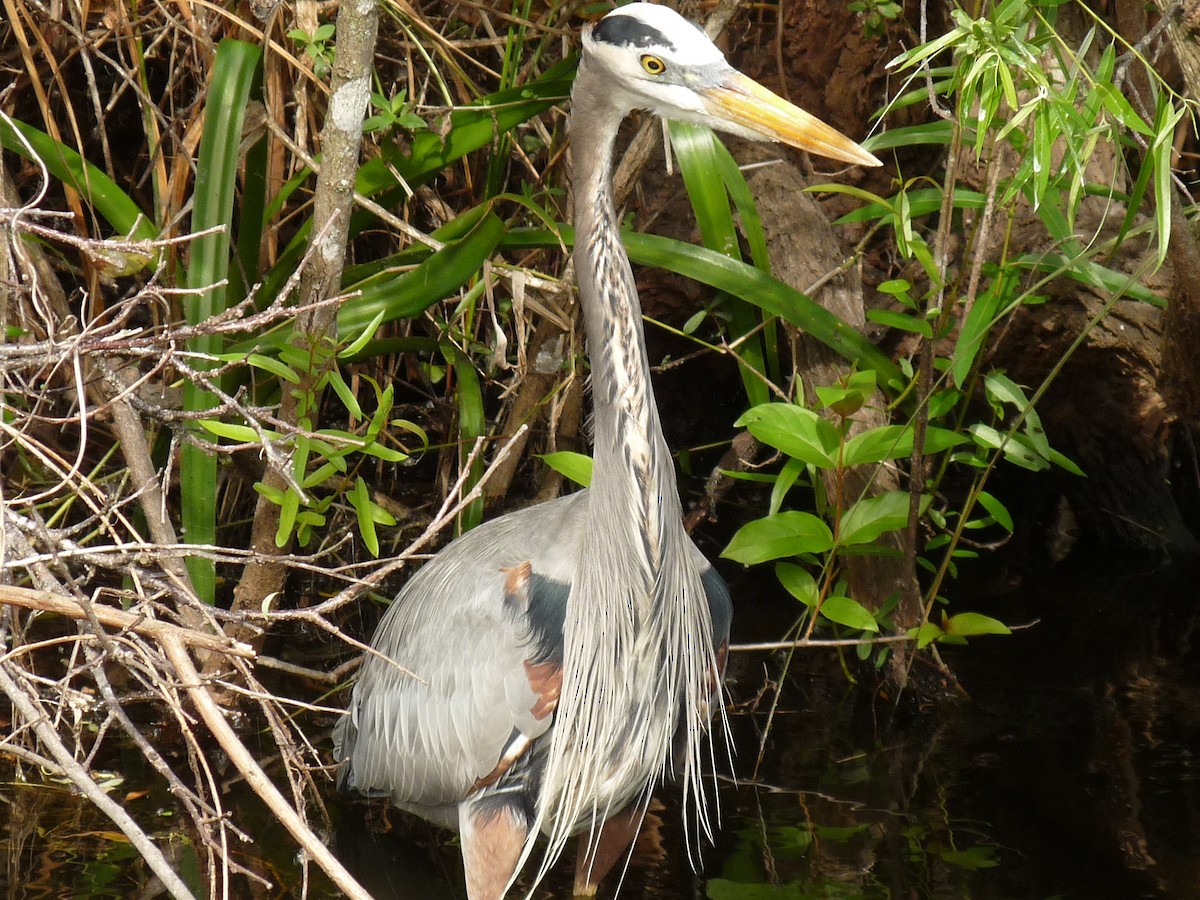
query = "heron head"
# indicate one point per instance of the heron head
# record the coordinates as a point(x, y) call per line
point(652, 58)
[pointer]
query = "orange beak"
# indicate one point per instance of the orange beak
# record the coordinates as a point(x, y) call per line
point(745, 102)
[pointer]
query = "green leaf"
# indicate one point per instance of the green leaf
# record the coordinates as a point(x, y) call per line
point(871, 517)
point(1016, 448)
point(975, 329)
point(360, 498)
point(896, 442)
point(970, 624)
point(575, 466)
point(63, 163)
point(1085, 271)
point(1002, 389)
point(849, 612)
point(901, 321)
point(338, 383)
point(288, 511)
point(798, 582)
point(800, 433)
point(472, 425)
point(242, 434)
point(354, 348)
point(787, 534)
point(707, 178)
point(740, 280)
point(207, 274)
point(939, 132)
point(996, 510)
point(878, 444)
point(411, 293)
point(787, 477)
point(926, 634)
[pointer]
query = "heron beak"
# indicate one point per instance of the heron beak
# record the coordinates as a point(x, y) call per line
point(747, 103)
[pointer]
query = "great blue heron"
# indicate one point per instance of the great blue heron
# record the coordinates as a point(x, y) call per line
point(566, 657)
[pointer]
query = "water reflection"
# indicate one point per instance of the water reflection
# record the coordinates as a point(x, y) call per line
point(1071, 773)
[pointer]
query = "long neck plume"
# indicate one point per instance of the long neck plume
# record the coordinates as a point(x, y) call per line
point(638, 635)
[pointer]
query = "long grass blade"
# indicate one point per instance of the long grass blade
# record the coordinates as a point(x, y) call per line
point(741, 280)
point(117, 208)
point(696, 148)
point(208, 268)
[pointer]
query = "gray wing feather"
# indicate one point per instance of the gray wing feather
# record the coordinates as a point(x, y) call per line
point(426, 740)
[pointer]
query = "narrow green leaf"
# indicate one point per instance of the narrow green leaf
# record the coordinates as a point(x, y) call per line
point(472, 425)
point(969, 624)
point(975, 329)
point(741, 280)
point(939, 132)
point(242, 434)
point(575, 466)
point(788, 475)
point(360, 498)
point(901, 321)
point(700, 157)
point(996, 510)
point(338, 383)
point(288, 511)
point(411, 293)
point(1016, 448)
point(63, 163)
point(208, 268)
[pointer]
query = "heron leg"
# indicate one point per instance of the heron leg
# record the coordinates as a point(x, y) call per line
point(597, 856)
point(493, 835)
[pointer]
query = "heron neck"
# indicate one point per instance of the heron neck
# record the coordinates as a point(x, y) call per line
point(632, 462)
point(637, 638)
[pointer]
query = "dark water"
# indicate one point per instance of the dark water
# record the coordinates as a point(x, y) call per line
point(1072, 772)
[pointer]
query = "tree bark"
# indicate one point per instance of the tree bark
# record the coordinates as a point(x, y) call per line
point(316, 320)
point(803, 251)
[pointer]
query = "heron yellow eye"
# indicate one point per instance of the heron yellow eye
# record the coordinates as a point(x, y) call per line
point(653, 65)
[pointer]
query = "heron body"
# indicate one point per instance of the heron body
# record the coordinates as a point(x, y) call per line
point(544, 671)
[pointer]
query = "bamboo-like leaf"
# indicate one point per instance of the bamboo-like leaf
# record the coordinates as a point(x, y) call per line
point(365, 511)
point(411, 293)
point(575, 466)
point(996, 510)
point(1092, 274)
